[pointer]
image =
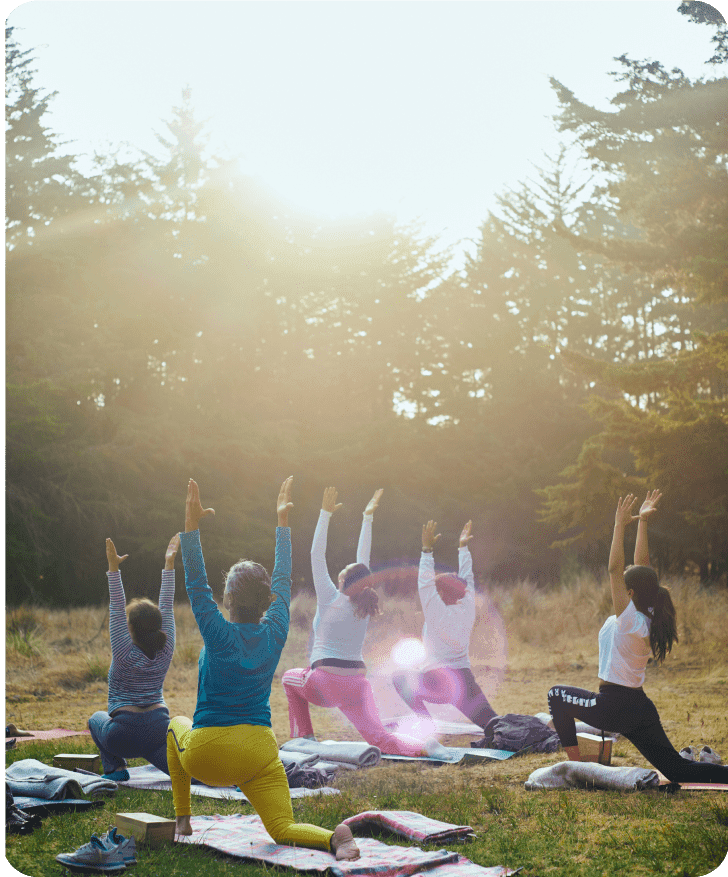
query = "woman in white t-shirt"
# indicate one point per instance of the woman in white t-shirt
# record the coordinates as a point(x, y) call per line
point(448, 604)
point(643, 626)
point(336, 676)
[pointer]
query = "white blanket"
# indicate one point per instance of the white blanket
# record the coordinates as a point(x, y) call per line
point(589, 775)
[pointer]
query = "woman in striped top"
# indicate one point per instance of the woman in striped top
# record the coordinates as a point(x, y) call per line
point(142, 643)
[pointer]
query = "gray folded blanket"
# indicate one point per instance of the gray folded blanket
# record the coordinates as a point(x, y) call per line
point(349, 752)
point(588, 775)
point(33, 779)
point(308, 770)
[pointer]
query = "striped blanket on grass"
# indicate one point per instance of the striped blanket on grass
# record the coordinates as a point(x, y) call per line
point(245, 838)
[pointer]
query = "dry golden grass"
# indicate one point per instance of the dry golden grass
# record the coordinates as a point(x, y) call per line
point(525, 640)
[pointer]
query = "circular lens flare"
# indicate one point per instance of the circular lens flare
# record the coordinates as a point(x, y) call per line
point(408, 652)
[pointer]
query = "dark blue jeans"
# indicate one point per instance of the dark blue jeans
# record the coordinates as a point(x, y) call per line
point(629, 712)
point(131, 735)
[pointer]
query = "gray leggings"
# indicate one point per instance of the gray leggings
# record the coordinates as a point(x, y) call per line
point(131, 735)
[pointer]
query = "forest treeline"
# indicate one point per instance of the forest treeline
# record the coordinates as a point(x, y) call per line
point(169, 317)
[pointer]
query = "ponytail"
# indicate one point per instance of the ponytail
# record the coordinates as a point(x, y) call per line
point(366, 603)
point(663, 630)
point(653, 600)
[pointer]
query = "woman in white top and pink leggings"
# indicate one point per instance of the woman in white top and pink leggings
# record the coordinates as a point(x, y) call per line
point(337, 674)
point(643, 626)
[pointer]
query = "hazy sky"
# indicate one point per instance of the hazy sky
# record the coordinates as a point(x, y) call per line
point(416, 108)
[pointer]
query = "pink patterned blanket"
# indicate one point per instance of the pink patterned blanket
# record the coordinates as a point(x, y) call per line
point(413, 826)
point(245, 838)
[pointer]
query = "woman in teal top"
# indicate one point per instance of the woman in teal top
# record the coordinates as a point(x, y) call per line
point(230, 741)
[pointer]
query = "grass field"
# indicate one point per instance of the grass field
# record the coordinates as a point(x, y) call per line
point(526, 640)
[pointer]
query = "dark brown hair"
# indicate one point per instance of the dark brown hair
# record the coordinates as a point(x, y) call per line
point(654, 601)
point(145, 626)
point(366, 603)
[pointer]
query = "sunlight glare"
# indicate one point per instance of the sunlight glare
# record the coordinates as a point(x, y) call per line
point(408, 652)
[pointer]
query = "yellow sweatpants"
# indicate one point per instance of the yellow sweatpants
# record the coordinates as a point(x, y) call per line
point(245, 756)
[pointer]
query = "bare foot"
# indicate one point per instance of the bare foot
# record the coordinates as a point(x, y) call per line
point(343, 844)
point(182, 825)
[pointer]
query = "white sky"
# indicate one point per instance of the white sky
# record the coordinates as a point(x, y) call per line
point(415, 108)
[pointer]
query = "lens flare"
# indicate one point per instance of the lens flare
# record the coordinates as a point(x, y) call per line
point(408, 652)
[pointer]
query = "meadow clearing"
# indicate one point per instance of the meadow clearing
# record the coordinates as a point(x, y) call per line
point(526, 639)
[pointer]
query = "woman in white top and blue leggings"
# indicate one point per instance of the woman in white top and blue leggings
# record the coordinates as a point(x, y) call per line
point(336, 676)
point(448, 603)
point(643, 626)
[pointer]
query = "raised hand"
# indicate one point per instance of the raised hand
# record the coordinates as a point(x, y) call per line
point(428, 535)
point(171, 552)
point(623, 515)
point(329, 503)
point(374, 502)
point(113, 557)
point(465, 536)
point(649, 506)
point(284, 502)
point(193, 507)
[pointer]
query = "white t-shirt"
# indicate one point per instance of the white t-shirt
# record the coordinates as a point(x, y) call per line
point(624, 648)
point(447, 629)
point(338, 632)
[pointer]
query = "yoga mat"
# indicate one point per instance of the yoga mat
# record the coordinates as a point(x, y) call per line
point(245, 838)
point(149, 777)
point(53, 734)
point(442, 726)
point(457, 755)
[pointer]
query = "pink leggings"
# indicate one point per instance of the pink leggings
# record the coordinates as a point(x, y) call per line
point(353, 696)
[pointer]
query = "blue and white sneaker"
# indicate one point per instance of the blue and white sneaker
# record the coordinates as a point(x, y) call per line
point(94, 856)
point(125, 845)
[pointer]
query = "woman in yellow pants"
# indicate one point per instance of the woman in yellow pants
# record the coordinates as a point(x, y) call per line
point(230, 740)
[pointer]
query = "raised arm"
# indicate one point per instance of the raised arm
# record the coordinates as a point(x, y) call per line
point(623, 516)
point(648, 507)
point(326, 590)
point(278, 616)
point(465, 560)
point(203, 604)
point(364, 548)
point(426, 575)
point(119, 636)
point(166, 592)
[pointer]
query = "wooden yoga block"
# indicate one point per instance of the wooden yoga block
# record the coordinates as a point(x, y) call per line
point(146, 828)
point(71, 762)
point(593, 748)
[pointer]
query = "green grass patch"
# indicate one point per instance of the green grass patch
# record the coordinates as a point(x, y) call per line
point(589, 834)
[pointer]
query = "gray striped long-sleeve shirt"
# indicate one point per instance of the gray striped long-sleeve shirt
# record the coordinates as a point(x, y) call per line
point(135, 679)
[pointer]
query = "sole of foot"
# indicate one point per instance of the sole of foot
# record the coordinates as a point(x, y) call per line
point(343, 844)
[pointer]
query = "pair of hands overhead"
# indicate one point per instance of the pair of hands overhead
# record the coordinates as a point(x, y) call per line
point(429, 537)
point(194, 511)
point(169, 555)
point(624, 514)
point(329, 503)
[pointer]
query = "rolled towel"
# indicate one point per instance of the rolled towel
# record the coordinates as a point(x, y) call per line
point(358, 754)
point(588, 775)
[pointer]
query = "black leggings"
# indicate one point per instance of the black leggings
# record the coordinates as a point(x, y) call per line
point(629, 712)
point(445, 685)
